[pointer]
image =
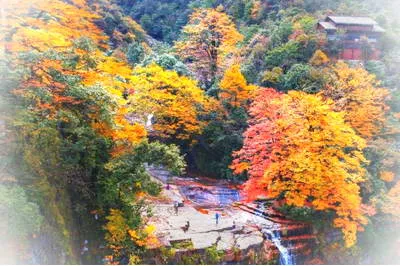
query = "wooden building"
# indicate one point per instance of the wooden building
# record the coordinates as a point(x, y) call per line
point(357, 35)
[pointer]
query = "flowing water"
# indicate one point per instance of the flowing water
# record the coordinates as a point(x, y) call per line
point(223, 196)
point(285, 256)
point(218, 195)
point(227, 196)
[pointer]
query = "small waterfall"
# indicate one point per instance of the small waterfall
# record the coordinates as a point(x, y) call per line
point(285, 256)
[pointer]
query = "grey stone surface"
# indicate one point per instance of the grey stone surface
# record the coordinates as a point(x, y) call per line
point(203, 230)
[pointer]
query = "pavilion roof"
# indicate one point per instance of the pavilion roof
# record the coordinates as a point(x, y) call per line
point(366, 21)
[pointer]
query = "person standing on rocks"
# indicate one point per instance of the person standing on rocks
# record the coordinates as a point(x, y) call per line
point(176, 205)
point(216, 218)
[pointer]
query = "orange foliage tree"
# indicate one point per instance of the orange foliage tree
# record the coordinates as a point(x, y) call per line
point(206, 41)
point(299, 148)
point(357, 93)
point(43, 25)
point(67, 53)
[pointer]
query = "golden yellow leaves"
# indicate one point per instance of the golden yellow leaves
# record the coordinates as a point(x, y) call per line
point(119, 232)
point(313, 158)
point(145, 237)
point(234, 87)
point(130, 132)
point(240, 167)
point(217, 21)
point(40, 39)
point(209, 37)
point(256, 9)
point(123, 132)
point(174, 101)
point(356, 92)
point(111, 74)
point(33, 29)
point(349, 229)
point(116, 227)
point(319, 58)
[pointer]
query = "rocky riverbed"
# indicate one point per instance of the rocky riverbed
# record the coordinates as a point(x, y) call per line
point(244, 232)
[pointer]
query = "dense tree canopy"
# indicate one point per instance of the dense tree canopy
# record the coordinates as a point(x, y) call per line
point(73, 120)
point(94, 92)
point(298, 147)
point(356, 92)
point(174, 102)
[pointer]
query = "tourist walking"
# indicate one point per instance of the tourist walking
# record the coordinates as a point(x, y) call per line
point(216, 218)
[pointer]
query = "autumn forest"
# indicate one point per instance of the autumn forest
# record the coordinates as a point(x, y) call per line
point(166, 132)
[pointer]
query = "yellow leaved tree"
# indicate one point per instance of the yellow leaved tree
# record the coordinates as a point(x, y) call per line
point(319, 58)
point(357, 93)
point(207, 40)
point(123, 240)
point(170, 104)
point(234, 88)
